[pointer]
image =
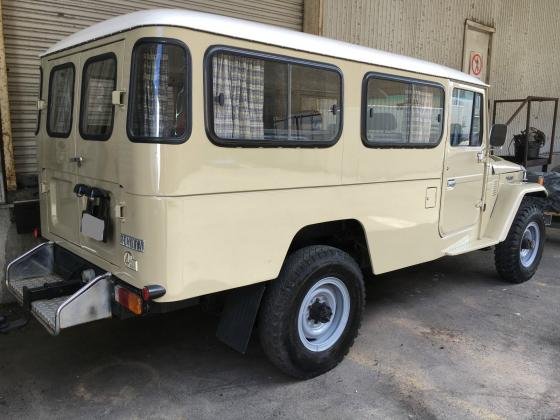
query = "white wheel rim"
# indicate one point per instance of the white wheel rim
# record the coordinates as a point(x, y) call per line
point(529, 246)
point(323, 314)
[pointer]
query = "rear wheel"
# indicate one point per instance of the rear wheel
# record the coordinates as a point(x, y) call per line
point(311, 314)
point(518, 257)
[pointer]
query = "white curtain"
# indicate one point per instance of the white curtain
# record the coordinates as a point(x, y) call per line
point(238, 86)
point(424, 111)
point(154, 104)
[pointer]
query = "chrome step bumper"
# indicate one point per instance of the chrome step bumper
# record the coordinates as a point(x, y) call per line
point(38, 267)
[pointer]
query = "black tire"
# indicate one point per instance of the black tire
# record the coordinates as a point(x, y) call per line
point(278, 319)
point(507, 254)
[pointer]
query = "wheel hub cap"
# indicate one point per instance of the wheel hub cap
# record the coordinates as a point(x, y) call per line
point(320, 312)
point(323, 314)
point(529, 244)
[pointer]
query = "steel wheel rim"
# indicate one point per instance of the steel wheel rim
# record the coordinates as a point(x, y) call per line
point(327, 295)
point(530, 242)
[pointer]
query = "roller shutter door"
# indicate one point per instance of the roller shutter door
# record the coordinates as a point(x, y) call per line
point(31, 26)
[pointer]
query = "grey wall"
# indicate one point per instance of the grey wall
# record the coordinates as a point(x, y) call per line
point(525, 52)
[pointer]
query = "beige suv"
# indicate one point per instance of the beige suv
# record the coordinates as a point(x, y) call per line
point(187, 157)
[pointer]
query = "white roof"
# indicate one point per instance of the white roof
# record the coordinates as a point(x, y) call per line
point(266, 34)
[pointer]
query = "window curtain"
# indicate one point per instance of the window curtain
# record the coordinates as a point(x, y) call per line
point(238, 86)
point(61, 100)
point(154, 109)
point(423, 114)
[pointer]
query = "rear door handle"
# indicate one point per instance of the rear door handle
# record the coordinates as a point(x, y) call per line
point(451, 183)
point(77, 159)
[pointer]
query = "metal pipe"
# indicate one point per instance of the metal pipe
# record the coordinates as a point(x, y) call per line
point(527, 126)
point(553, 134)
point(9, 165)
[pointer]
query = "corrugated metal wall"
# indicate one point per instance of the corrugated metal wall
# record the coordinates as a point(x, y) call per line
point(525, 58)
point(31, 26)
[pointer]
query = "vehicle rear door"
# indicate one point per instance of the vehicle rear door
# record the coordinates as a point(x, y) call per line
point(463, 173)
point(58, 167)
point(100, 130)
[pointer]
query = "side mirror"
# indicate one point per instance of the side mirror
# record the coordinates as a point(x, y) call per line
point(498, 135)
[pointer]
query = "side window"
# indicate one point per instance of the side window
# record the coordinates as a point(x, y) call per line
point(61, 99)
point(401, 113)
point(98, 82)
point(259, 100)
point(466, 118)
point(39, 97)
point(158, 110)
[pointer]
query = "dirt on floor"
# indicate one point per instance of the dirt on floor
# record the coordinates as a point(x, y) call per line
point(447, 339)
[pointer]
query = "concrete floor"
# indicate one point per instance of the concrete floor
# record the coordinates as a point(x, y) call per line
point(446, 339)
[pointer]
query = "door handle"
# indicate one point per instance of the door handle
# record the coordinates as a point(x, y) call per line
point(77, 159)
point(480, 156)
point(451, 183)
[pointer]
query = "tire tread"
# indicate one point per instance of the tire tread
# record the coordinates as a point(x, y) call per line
point(506, 254)
point(278, 300)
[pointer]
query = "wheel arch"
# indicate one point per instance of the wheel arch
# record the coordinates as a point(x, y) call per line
point(509, 199)
point(348, 235)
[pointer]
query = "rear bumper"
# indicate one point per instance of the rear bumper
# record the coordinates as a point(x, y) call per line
point(48, 266)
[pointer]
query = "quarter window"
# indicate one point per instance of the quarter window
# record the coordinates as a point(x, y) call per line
point(466, 118)
point(158, 108)
point(61, 98)
point(269, 101)
point(98, 82)
point(402, 113)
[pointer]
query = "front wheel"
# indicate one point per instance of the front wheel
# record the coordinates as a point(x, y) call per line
point(518, 257)
point(311, 314)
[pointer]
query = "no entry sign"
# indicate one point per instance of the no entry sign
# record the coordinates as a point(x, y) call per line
point(476, 64)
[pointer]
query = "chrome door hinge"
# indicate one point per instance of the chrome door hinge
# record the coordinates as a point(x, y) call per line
point(481, 156)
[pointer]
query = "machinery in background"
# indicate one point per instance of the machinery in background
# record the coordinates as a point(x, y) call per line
point(528, 151)
point(529, 142)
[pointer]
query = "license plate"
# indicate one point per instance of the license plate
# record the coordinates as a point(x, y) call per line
point(92, 227)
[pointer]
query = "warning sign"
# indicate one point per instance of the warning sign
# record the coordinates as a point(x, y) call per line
point(476, 64)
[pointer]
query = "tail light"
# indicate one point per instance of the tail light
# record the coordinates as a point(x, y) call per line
point(153, 291)
point(129, 300)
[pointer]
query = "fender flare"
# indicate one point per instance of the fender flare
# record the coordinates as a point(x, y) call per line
point(506, 206)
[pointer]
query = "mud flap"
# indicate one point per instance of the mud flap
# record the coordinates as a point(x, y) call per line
point(239, 315)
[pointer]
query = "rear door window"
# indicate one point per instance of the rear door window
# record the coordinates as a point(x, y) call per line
point(158, 110)
point(61, 99)
point(466, 118)
point(98, 82)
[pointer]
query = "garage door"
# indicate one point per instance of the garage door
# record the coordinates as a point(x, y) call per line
point(31, 26)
